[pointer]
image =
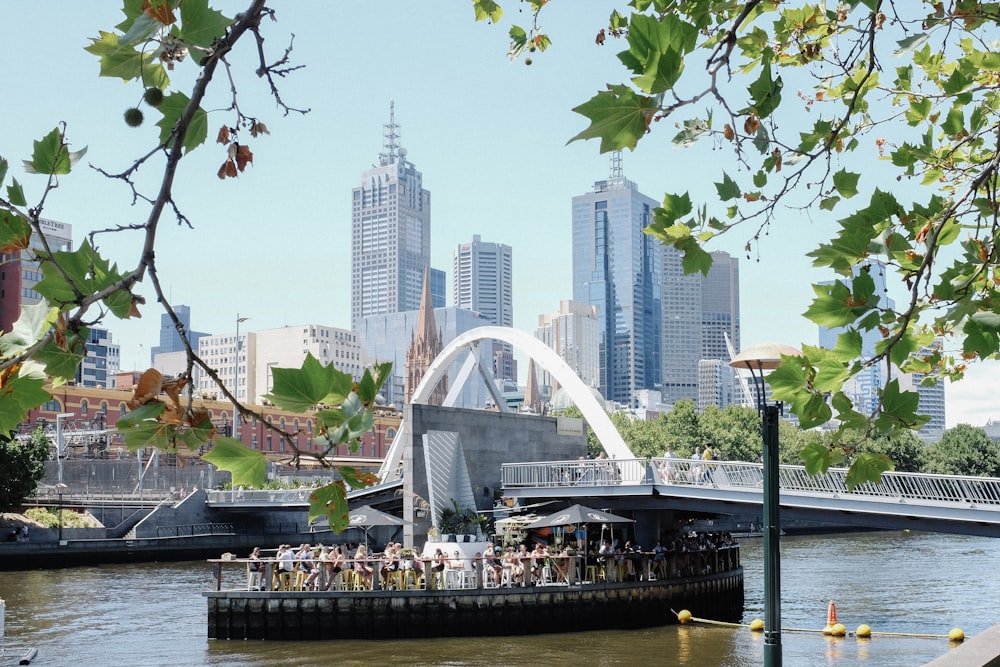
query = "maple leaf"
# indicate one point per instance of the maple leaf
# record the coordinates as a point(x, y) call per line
point(243, 156)
point(258, 128)
point(223, 137)
point(148, 387)
point(159, 10)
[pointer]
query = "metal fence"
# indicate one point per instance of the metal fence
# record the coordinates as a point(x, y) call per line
point(898, 486)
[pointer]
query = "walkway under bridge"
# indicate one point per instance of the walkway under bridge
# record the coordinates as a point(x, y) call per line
point(938, 503)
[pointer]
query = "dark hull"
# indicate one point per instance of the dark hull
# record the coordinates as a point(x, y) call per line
point(483, 612)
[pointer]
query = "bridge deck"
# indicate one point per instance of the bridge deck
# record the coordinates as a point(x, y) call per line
point(944, 503)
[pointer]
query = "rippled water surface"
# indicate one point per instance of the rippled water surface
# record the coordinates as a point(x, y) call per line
point(921, 583)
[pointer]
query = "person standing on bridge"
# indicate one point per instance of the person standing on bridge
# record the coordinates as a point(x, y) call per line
point(696, 467)
point(669, 470)
point(707, 455)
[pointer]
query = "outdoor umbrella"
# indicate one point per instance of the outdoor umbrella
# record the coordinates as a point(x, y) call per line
point(368, 517)
point(579, 514)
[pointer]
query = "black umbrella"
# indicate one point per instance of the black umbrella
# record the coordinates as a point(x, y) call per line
point(579, 514)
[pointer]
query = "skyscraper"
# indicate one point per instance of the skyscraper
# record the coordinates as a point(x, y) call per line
point(699, 312)
point(390, 233)
point(483, 282)
point(573, 333)
point(863, 389)
point(617, 268)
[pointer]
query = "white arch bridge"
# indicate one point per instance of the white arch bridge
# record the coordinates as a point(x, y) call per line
point(939, 503)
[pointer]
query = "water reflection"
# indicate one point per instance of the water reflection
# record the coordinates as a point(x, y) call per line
point(154, 614)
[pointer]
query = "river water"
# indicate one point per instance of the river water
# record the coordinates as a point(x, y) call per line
point(899, 582)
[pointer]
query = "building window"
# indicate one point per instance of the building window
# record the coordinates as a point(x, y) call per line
point(83, 408)
point(52, 405)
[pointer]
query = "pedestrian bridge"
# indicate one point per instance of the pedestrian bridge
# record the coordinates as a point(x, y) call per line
point(938, 503)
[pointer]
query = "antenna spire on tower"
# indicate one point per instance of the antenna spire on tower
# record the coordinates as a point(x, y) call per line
point(390, 133)
point(616, 164)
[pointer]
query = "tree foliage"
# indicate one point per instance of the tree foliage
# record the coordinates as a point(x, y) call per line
point(171, 51)
point(964, 450)
point(805, 99)
point(22, 466)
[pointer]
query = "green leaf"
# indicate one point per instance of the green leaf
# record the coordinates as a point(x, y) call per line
point(15, 194)
point(487, 10)
point(118, 60)
point(695, 257)
point(819, 458)
point(868, 467)
point(765, 92)
point(247, 466)
point(81, 271)
point(301, 389)
point(911, 43)
point(728, 188)
point(200, 24)
point(63, 363)
point(22, 391)
point(34, 322)
point(846, 183)
point(52, 156)
point(173, 107)
point(330, 501)
point(618, 117)
point(3, 170)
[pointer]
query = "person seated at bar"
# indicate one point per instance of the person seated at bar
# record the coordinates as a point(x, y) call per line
point(306, 565)
point(511, 566)
point(286, 567)
point(363, 567)
point(438, 561)
point(389, 563)
point(538, 556)
point(492, 565)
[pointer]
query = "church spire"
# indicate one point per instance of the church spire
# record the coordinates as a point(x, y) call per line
point(426, 345)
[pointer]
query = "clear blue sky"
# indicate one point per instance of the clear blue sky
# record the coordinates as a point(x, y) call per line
point(488, 135)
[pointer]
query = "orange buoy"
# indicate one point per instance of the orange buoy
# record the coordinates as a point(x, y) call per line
point(831, 619)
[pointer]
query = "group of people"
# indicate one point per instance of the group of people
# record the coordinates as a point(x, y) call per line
point(700, 472)
point(688, 553)
point(318, 568)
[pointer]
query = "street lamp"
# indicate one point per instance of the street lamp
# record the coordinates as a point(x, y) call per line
point(60, 444)
point(236, 379)
point(758, 359)
point(60, 488)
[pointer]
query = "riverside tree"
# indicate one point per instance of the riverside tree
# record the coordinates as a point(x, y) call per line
point(802, 100)
point(172, 53)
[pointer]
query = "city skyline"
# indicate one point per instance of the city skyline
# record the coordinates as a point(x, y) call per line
point(489, 136)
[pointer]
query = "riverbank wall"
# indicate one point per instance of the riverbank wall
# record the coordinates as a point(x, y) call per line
point(456, 613)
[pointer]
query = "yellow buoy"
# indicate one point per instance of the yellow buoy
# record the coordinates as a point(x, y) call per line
point(757, 625)
point(838, 630)
point(864, 630)
point(684, 616)
point(956, 635)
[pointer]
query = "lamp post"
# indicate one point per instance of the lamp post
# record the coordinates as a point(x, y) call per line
point(60, 443)
point(236, 379)
point(61, 488)
point(758, 359)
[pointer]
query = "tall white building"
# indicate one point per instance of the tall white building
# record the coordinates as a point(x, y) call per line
point(483, 282)
point(285, 347)
point(574, 334)
point(390, 233)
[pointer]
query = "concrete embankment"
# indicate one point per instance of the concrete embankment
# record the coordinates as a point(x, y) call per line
point(982, 650)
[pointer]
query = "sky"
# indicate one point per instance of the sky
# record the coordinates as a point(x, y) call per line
point(489, 135)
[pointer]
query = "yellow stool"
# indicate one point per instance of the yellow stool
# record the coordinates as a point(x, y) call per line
point(592, 573)
point(300, 580)
point(394, 580)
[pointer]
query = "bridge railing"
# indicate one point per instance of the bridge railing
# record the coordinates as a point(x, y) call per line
point(279, 496)
point(585, 473)
point(901, 486)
